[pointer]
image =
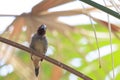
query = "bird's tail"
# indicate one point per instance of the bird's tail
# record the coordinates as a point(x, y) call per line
point(36, 60)
point(36, 66)
point(36, 71)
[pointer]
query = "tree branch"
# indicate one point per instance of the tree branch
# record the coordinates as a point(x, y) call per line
point(53, 61)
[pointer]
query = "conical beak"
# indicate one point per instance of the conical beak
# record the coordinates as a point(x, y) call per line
point(43, 27)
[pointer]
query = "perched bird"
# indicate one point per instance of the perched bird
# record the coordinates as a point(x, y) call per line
point(39, 44)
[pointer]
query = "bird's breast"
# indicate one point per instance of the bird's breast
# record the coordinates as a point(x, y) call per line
point(40, 46)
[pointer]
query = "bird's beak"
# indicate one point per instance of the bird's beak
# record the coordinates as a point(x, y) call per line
point(43, 27)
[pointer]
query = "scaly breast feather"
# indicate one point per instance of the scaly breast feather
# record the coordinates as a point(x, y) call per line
point(39, 46)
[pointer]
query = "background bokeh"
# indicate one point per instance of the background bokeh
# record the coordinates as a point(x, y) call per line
point(71, 37)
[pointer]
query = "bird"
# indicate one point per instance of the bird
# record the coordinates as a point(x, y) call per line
point(39, 43)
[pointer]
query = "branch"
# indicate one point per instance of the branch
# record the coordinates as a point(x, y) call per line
point(103, 8)
point(53, 61)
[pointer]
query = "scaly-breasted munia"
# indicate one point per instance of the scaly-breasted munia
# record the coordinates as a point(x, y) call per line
point(39, 44)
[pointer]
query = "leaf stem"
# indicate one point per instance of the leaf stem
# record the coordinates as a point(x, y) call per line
point(103, 8)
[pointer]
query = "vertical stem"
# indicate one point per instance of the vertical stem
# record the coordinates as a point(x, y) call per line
point(93, 26)
point(110, 31)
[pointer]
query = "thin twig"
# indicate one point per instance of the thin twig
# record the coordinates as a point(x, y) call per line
point(93, 26)
point(53, 61)
point(112, 56)
point(110, 31)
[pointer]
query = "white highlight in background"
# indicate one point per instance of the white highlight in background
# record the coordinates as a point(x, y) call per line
point(105, 50)
point(76, 62)
point(110, 75)
point(6, 70)
point(73, 77)
point(50, 51)
point(75, 20)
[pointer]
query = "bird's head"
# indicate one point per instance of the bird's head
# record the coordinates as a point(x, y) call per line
point(41, 30)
